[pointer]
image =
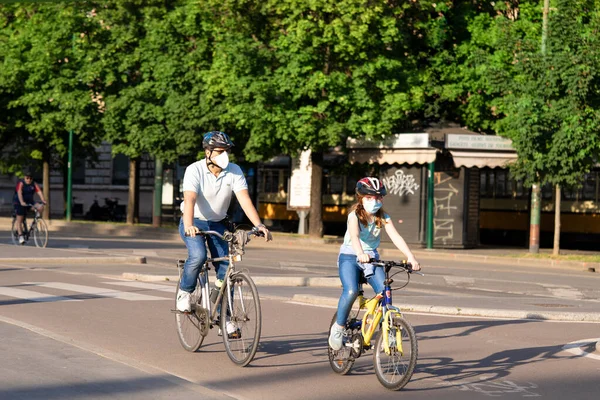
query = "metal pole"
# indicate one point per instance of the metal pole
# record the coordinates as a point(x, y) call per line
point(70, 176)
point(430, 174)
point(158, 188)
point(70, 159)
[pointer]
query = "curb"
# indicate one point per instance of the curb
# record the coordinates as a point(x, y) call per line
point(469, 312)
point(78, 260)
point(579, 265)
point(415, 308)
point(325, 244)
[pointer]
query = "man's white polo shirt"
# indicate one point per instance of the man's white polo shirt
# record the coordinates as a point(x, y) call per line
point(214, 193)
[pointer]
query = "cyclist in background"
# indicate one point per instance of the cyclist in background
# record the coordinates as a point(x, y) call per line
point(24, 194)
point(362, 238)
point(208, 186)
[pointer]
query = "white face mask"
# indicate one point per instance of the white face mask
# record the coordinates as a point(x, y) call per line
point(222, 160)
point(371, 206)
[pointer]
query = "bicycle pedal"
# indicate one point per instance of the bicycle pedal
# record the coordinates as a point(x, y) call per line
point(176, 311)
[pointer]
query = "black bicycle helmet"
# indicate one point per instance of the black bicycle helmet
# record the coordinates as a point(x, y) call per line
point(370, 187)
point(216, 139)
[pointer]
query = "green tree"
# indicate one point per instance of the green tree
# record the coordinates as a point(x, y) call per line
point(308, 74)
point(147, 58)
point(489, 74)
point(550, 110)
point(42, 88)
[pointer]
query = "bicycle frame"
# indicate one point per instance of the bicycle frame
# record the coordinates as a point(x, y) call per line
point(27, 230)
point(235, 255)
point(378, 307)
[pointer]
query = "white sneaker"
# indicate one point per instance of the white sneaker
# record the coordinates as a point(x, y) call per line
point(335, 337)
point(233, 332)
point(21, 239)
point(184, 301)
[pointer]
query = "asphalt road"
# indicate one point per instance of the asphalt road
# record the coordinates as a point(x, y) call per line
point(79, 330)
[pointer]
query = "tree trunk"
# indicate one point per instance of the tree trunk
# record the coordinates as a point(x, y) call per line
point(534, 221)
point(46, 188)
point(315, 220)
point(134, 184)
point(556, 248)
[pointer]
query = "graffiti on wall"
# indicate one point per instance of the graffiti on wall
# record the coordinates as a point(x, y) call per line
point(400, 184)
point(444, 208)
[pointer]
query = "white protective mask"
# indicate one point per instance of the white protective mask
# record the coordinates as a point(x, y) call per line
point(222, 160)
point(371, 206)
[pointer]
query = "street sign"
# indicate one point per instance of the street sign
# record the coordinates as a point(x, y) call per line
point(300, 182)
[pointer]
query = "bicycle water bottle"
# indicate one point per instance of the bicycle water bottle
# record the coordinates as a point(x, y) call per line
point(214, 293)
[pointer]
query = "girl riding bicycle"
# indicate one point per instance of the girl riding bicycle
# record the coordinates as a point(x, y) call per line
point(362, 238)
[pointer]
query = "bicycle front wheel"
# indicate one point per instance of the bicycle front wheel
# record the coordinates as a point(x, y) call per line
point(40, 233)
point(241, 319)
point(395, 369)
point(192, 327)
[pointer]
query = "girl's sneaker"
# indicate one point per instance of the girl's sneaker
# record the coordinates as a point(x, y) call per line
point(336, 336)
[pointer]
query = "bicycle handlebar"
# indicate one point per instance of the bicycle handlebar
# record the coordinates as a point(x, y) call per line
point(228, 236)
point(405, 265)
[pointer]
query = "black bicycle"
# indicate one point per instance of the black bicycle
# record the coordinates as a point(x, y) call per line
point(38, 229)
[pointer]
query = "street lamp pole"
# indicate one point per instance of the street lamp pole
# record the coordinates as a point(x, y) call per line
point(70, 160)
point(70, 176)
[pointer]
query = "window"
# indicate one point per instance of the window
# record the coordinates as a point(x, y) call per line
point(589, 186)
point(78, 173)
point(351, 185)
point(120, 172)
point(332, 184)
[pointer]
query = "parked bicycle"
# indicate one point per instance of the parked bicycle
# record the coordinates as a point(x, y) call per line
point(395, 350)
point(236, 302)
point(37, 229)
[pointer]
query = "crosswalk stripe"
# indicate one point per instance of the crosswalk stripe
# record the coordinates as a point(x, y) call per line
point(31, 295)
point(96, 291)
point(143, 285)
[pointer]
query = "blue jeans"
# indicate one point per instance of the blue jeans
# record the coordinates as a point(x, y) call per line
point(350, 273)
point(197, 255)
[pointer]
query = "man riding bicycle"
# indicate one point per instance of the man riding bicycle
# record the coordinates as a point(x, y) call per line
point(24, 195)
point(208, 186)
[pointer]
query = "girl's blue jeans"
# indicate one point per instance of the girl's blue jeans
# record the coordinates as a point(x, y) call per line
point(350, 272)
point(197, 254)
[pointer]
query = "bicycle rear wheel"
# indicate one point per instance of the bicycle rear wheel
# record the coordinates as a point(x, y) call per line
point(244, 318)
point(341, 361)
point(192, 327)
point(394, 370)
point(40, 233)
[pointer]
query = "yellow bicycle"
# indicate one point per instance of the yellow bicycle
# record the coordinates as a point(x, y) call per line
point(395, 349)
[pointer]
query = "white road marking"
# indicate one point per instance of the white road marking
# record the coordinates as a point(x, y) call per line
point(576, 348)
point(459, 280)
point(96, 291)
point(564, 292)
point(31, 295)
point(143, 285)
